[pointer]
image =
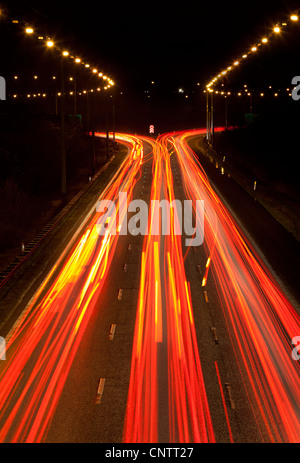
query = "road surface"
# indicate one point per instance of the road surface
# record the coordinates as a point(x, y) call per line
point(134, 336)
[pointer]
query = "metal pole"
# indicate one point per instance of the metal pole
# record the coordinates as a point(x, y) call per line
point(207, 118)
point(212, 117)
point(93, 134)
point(75, 98)
point(87, 110)
point(113, 119)
point(63, 144)
point(107, 128)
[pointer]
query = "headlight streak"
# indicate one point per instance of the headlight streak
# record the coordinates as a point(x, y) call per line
point(41, 349)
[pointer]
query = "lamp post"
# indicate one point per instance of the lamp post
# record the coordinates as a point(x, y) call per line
point(75, 98)
point(113, 119)
point(207, 118)
point(212, 118)
point(93, 133)
point(71, 79)
point(63, 143)
point(251, 101)
point(107, 126)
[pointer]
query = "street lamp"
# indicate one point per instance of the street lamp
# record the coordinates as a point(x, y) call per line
point(75, 94)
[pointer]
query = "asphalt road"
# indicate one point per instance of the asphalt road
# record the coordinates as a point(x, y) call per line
point(232, 378)
point(281, 251)
point(81, 416)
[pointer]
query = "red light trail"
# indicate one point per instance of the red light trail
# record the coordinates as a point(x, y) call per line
point(167, 397)
point(165, 341)
point(260, 320)
point(41, 349)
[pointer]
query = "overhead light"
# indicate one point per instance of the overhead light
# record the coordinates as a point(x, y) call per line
point(29, 30)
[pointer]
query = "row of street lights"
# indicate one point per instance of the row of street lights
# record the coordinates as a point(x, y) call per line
point(67, 54)
point(276, 30)
point(64, 55)
point(294, 18)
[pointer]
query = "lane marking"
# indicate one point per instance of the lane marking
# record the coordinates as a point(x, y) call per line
point(214, 330)
point(232, 403)
point(224, 402)
point(112, 331)
point(100, 390)
point(205, 296)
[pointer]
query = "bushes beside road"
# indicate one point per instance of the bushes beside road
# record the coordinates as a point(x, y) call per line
point(266, 150)
point(30, 171)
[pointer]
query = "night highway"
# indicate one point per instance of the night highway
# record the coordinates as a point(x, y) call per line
point(149, 240)
point(210, 328)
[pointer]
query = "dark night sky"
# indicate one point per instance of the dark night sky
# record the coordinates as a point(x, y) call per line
point(173, 41)
point(175, 44)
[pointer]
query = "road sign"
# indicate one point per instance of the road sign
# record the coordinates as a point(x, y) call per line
point(151, 128)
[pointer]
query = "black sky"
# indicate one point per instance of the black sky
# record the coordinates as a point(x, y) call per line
point(172, 42)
